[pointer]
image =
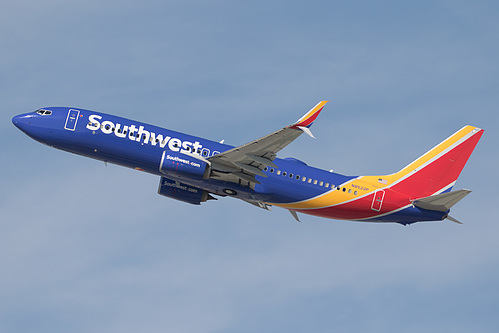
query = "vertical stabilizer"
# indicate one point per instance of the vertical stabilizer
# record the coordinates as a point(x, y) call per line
point(437, 170)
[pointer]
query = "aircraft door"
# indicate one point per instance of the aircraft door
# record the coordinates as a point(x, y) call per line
point(71, 120)
point(379, 195)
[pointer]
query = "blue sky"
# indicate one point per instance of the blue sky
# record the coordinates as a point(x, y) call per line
point(90, 248)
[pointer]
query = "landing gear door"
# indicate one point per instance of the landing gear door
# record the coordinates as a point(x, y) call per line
point(71, 120)
point(379, 195)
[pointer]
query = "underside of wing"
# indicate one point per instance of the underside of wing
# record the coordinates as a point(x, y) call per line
point(242, 164)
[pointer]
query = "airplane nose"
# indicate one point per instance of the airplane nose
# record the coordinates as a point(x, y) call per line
point(16, 120)
point(21, 121)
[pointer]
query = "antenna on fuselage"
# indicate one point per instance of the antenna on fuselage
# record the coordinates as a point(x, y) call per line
point(295, 215)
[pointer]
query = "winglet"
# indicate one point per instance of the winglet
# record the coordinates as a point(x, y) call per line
point(307, 120)
point(307, 131)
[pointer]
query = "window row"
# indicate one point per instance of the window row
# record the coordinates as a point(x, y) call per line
point(309, 180)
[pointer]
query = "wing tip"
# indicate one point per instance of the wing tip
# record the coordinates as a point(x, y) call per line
point(308, 119)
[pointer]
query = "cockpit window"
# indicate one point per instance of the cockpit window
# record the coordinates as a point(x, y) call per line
point(44, 112)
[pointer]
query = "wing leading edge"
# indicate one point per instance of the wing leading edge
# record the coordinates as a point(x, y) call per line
point(243, 163)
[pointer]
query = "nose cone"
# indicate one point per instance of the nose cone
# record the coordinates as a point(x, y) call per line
point(16, 120)
point(22, 121)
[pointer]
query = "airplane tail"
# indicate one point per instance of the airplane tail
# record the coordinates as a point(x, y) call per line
point(441, 202)
point(436, 171)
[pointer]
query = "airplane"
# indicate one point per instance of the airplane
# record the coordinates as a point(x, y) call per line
point(195, 170)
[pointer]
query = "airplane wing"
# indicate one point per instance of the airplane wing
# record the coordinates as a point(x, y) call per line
point(243, 163)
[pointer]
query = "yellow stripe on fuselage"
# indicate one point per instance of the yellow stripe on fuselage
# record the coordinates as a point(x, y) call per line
point(334, 196)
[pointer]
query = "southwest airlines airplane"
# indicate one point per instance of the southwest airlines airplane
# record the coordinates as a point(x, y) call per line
point(193, 169)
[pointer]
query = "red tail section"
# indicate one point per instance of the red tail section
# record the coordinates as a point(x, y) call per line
point(437, 170)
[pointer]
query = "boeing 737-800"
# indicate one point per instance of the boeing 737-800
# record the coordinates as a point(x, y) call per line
point(193, 169)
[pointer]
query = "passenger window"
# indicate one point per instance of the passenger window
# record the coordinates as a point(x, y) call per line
point(315, 182)
point(284, 173)
point(278, 172)
point(355, 192)
point(297, 177)
point(271, 170)
point(309, 180)
point(304, 179)
point(266, 169)
point(350, 191)
point(321, 183)
point(290, 175)
point(344, 189)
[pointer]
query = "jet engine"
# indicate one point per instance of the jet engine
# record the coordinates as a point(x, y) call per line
point(183, 192)
point(184, 166)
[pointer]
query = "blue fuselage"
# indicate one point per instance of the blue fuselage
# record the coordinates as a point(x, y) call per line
point(142, 146)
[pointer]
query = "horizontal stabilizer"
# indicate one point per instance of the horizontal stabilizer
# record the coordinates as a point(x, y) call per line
point(441, 202)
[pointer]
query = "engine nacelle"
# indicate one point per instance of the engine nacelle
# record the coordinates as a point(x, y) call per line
point(184, 166)
point(183, 192)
